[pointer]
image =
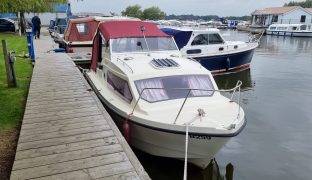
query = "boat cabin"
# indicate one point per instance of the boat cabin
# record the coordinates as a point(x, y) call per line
point(80, 32)
point(188, 37)
point(144, 57)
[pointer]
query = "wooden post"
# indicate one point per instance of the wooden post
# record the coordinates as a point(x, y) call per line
point(229, 172)
point(7, 65)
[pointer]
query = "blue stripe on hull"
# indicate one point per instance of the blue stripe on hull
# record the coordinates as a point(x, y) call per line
point(226, 62)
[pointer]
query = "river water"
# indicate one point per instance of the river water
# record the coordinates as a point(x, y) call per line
point(277, 99)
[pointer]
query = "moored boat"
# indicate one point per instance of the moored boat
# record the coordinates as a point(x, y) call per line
point(296, 30)
point(208, 47)
point(79, 33)
point(158, 98)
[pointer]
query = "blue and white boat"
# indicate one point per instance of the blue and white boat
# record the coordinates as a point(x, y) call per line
point(208, 47)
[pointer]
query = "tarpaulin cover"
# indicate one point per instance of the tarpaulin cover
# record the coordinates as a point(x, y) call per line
point(96, 54)
point(129, 29)
point(180, 37)
point(72, 33)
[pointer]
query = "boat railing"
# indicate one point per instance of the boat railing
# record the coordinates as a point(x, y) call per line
point(255, 37)
point(236, 89)
point(126, 65)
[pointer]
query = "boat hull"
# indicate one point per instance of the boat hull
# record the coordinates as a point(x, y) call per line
point(201, 148)
point(288, 33)
point(227, 62)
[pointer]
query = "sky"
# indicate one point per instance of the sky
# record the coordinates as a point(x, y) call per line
point(178, 7)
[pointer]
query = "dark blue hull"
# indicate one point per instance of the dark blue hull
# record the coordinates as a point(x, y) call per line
point(228, 62)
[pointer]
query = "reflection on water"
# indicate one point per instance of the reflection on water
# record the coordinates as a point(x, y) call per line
point(172, 169)
point(228, 81)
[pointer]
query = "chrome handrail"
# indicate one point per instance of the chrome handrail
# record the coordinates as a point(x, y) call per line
point(125, 64)
point(253, 37)
point(236, 88)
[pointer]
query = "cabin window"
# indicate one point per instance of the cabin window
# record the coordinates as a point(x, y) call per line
point(274, 19)
point(201, 39)
point(82, 28)
point(215, 39)
point(272, 27)
point(121, 45)
point(303, 19)
point(174, 87)
point(294, 28)
point(120, 86)
point(303, 27)
point(281, 28)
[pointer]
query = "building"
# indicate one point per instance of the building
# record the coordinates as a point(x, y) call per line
point(59, 11)
point(281, 15)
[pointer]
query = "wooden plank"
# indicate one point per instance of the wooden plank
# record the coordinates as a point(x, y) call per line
point(95, 172)
point(61, 140)
point(128, 176)
point(59, 113)
point(63, 133)
point(61, 117)
point(66, 156)
point(70, 166)
point(44, 151)
point(56, 88)
point(61, 128)
point(68, 92)
point(56, 101)
point(59, 109)
point(51, 126)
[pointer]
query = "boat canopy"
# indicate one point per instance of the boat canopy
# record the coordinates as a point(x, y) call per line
point(82, 29)
point(129, 29)
point(180, 37)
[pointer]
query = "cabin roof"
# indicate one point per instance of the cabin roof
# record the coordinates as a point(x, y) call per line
point(128, 29)
point(92, 23)
point(275, 10)
point(182, 35)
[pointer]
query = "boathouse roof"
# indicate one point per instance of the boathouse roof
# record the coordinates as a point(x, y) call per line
point(275, 10)
point(123, 29)
point(309, 10)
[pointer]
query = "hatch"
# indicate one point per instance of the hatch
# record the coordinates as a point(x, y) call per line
point(164, 63)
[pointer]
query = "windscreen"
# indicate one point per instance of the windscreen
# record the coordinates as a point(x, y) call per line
point(122, 45)
point(174, 87)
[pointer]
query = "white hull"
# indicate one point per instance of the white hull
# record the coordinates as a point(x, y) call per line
point(201, 149)
point(294, 34)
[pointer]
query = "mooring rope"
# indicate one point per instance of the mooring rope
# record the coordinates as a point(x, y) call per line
point(186, 147)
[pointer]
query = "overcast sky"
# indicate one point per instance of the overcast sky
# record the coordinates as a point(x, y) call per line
point(177, 7)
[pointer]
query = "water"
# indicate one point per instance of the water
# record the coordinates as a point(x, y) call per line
point(277, 99)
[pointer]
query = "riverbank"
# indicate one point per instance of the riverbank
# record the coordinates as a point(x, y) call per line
point(12, 101)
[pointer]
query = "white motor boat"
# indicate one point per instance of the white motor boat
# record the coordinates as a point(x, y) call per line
point(296, 30)
point(158, 98)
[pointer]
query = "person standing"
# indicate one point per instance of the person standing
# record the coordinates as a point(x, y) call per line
point(36, 25)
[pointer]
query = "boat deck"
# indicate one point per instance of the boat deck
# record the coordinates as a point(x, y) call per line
point(66, 132)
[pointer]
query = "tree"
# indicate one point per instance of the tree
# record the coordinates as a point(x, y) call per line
point(153, 13)
point(26, 6)
point(133, 11)
point(304, 4)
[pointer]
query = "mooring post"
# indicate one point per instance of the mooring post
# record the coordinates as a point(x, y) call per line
point(7, 65)
point(229, 172)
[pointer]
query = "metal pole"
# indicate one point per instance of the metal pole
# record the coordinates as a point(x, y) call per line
point(7, 65)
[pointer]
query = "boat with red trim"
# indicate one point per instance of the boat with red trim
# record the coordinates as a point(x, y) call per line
point(165, 104)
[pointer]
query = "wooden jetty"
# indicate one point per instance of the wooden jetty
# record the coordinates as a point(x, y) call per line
point(66, 133)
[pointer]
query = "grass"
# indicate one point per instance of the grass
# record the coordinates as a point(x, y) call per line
point(13, 100)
